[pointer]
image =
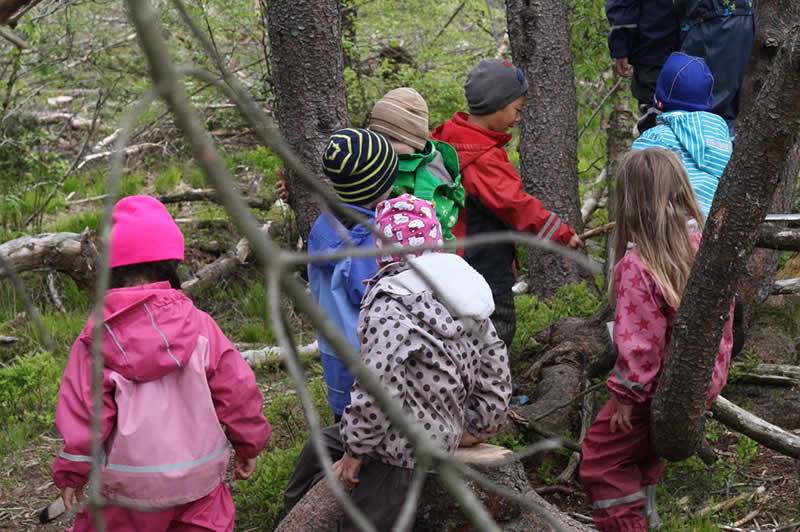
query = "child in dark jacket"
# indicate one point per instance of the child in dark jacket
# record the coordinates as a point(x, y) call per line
point(362, 166)
point(656, 210)
point(170, 378)
point(443, 364)
point(495, 91)
point(721, 32)
point(643, 34)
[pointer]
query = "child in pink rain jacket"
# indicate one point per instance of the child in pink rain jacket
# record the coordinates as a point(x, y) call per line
point(657, 212)
point(170, 378)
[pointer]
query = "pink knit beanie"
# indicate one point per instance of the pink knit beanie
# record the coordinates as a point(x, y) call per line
point(408, 221)
point(143, 231)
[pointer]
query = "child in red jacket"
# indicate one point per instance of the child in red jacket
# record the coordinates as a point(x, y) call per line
point(495, 91)
point(657, 212)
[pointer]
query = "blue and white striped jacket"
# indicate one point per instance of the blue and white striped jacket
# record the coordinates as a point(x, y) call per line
point(701, 140)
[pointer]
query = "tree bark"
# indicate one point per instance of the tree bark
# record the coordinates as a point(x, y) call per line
point(618, 143)
point(307, 64)
point(774, 19)
point(741, 202)
point(539, 33)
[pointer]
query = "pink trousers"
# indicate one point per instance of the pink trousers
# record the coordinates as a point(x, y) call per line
point(616, 469)
point(214, 512)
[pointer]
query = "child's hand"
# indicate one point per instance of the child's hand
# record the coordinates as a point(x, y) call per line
point(243, 468)
point(622, 67)
point(575, 242)
point(70, 494)
point(622, 417)
point(468, 440)
point(347, 470)
point(280, 187)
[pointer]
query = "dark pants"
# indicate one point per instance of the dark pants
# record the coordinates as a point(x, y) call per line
point(504, 317)
point(379, 494)
point(725, 44)
point(643, 83)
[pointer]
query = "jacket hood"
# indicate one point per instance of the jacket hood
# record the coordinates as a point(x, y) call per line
point(326, 236)
point(458, 286)
point(150, 330)
point(469, 140)
point(704, 149)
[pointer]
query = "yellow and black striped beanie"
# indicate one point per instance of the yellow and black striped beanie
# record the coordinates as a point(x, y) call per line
point(361, 165)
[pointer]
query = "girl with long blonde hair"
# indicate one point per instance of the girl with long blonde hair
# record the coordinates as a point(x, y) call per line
point(659, 227)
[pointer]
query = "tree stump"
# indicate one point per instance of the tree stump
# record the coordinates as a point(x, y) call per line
point(438, 511)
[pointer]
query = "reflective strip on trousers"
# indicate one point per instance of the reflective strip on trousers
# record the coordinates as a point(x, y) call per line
point(608, 503)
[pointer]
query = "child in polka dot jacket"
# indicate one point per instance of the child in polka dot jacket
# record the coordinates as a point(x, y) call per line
point(436, 353)
point(658, 213)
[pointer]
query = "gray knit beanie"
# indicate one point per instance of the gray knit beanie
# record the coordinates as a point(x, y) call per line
point(493, 84)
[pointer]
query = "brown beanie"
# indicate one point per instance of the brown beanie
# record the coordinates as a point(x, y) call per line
point(401, 115)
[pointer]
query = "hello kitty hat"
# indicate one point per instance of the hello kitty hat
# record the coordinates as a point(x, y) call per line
point(407, 221)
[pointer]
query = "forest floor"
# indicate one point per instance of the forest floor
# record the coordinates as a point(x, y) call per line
point(238, 303)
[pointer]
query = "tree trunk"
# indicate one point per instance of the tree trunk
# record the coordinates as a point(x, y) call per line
point(307, 64)
point(773, 21)
point(539, 33)
point(741, 202)
point(618, 143)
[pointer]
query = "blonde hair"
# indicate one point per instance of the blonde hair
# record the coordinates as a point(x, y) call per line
point(653, 200)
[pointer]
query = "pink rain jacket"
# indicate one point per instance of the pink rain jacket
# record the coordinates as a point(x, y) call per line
point(170, 378)
point(642, 331)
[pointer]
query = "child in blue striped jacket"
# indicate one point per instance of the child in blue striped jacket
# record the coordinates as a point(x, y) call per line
point(684, 95)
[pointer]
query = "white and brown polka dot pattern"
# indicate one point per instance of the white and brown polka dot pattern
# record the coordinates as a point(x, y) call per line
point(449, 379)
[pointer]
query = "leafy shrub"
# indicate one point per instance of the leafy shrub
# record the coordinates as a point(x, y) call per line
point(29, 390)
point(259, 500)
point(573, 299)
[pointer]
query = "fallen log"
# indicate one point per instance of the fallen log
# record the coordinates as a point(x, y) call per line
point(273, 354)
point(7, 341)
point(70, 253)
point(784, 370)
point(203, 194)
point(226, 264)
point(765, 433)
point(786, 287)
point(130, 150)
point(318, 511)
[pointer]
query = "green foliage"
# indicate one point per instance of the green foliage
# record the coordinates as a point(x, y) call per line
point(746, 449)
point(259, 500)
point(168, 179)
point(547, 473)
point(573, 299)
point(515, 443)
point(76, 224)
point(749, 363)
point(29, 390)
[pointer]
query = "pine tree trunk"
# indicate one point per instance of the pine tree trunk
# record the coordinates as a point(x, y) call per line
point(307, 63)
point(540, 43)
point(773, 21)
point(743, 198)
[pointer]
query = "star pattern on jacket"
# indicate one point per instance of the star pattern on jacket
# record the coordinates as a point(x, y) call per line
point(642, 328)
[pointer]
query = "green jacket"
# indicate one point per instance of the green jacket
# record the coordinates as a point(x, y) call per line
point(433, 175)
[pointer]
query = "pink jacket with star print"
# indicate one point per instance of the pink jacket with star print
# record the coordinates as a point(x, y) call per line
point(642, 330)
